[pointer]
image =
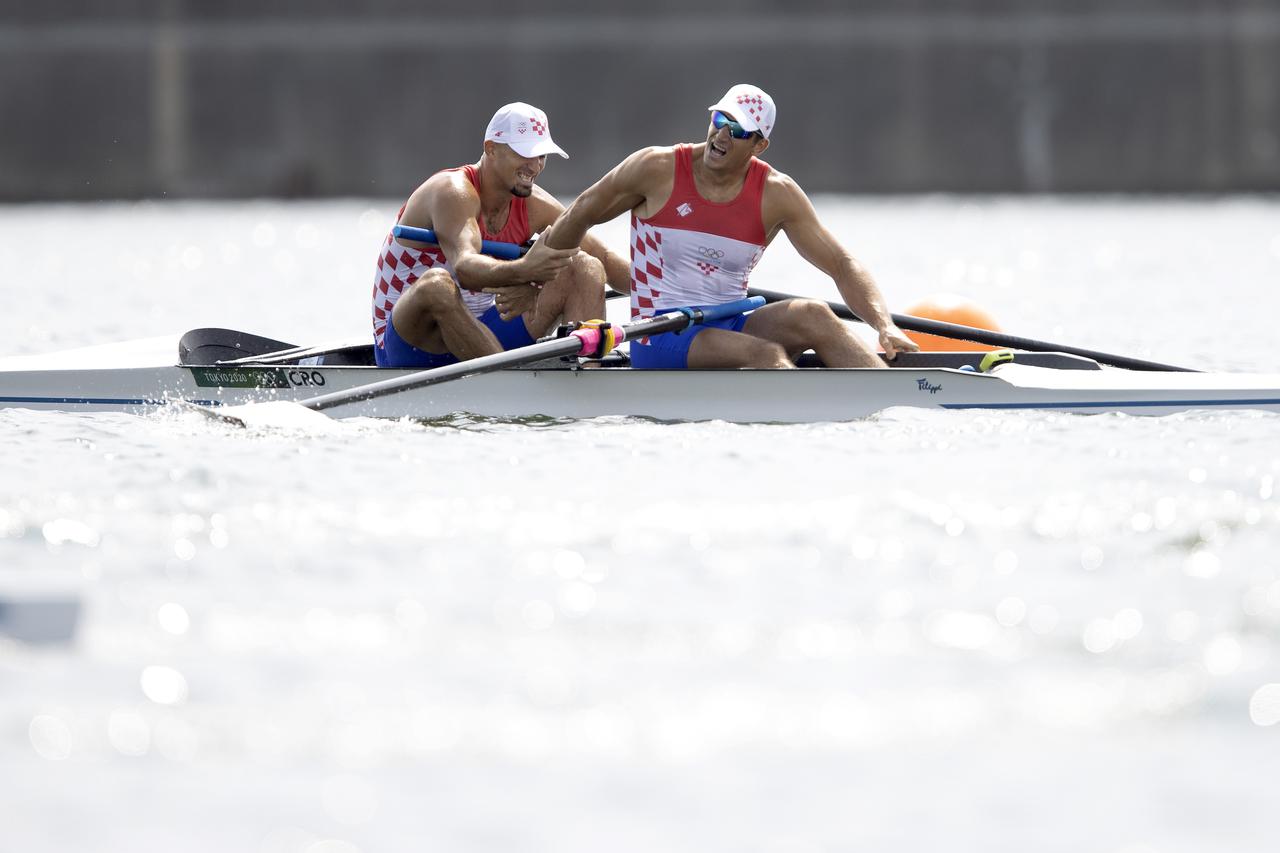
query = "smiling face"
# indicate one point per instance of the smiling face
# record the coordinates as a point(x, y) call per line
point(515, 172)
point(725, 151)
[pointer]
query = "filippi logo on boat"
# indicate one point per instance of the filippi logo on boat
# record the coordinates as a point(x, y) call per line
point(926, 385)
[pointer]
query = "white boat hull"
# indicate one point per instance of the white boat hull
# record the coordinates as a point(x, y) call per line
point(134, 377)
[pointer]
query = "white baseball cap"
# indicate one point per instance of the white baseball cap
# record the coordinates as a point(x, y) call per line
point(525, 129)
point(751, 106)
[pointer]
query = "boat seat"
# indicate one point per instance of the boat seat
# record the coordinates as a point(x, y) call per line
point(353, 356)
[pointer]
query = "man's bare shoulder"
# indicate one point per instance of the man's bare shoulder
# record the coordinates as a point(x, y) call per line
point(783, 202)
point(656, 152)
point(451, 182)
point(642, 172)
point(541, 196)
point(782, 195)
point(654, 160)
point(780, 183)
point(438, 194)
point(543, 208)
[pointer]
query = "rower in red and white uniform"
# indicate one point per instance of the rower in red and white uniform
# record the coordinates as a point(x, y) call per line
point(701, 217)
point(437, 304)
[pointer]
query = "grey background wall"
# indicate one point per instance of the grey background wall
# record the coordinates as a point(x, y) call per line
point(231, 98)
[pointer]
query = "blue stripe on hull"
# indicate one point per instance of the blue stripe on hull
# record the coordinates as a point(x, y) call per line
point(101, 401)
point(1103, 404)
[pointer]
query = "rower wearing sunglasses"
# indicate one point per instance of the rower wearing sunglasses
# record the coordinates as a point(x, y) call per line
point(701, 216)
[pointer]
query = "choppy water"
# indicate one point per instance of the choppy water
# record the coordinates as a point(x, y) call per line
point(923, 631)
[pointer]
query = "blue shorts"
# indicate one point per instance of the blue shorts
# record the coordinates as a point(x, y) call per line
point(670, 351)
point(395, 352)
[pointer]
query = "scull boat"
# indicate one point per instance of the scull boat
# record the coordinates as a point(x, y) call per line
point(220, 368)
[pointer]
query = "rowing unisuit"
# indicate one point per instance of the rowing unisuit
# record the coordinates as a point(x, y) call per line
point(400, 266)
point(694, 251)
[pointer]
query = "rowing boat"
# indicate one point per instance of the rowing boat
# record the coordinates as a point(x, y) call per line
point(220, 368)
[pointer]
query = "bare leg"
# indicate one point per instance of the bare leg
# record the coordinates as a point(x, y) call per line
point(576, 294)
point(722, 348)
point(431, 316)
point(801, 324)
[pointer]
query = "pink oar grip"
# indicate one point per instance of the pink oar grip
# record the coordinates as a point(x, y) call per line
point(590, 337)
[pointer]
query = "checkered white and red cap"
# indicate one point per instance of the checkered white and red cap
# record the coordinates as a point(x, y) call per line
point(750, 106)
point(525, 129)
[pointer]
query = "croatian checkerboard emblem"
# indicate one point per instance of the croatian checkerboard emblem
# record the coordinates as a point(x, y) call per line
point(754, 105)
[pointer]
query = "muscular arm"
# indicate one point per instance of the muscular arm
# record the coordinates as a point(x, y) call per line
point(627, 186)
point(544, 210)
point(449, 205)
point(789, 209)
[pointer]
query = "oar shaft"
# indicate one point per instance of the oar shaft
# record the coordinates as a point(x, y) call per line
point(536, 352)
point(985, 336)
point(573, 344)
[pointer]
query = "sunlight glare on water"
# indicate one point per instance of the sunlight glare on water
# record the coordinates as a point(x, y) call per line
point(920, 631)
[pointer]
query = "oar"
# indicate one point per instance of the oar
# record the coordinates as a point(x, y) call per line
point(984, 336)
point(588, 341)
point(506, 251)
point(293, 354)
point(904, 321)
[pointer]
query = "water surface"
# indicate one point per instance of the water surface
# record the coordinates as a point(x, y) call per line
point(921, 631)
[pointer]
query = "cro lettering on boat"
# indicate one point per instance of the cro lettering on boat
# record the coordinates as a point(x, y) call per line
point(258, 377)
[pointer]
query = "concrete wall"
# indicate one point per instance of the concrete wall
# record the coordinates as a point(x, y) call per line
point(195, 98)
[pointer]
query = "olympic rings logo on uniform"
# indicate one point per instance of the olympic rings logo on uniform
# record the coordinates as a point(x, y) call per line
point(714, 254)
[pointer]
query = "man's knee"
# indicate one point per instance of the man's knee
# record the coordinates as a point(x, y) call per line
point(588, 267)
point(584, 271)
point(434, 293)
point(811, 313)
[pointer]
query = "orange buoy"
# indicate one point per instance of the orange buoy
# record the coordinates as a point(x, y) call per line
point(950, 308)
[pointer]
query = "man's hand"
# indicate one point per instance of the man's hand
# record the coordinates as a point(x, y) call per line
point(514, 300)
point(893, 341)
point(544, 263)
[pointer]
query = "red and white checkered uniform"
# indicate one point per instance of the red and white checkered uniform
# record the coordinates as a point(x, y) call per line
point(400, 266)
point(694, 251)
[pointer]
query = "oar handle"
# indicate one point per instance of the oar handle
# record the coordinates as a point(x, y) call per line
point(505, 251)
point(984, 336)
point(579, 342)
point(592, 335)
point(731, 309)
